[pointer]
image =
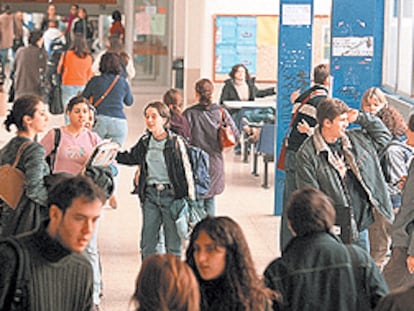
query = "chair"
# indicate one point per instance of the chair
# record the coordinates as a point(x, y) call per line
point(266, 148)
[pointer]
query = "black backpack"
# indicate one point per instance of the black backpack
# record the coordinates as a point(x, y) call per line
point(20, 300)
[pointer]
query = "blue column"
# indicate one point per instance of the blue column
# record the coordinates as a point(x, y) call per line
point(356, 50)
point(294, 70)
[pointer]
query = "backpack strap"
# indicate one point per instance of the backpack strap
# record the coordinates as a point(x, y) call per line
point(20, 152)
point(52, 156)
point(20, 300)
point(187, 167)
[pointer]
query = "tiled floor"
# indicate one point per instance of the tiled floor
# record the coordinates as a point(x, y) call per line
point(243, 199)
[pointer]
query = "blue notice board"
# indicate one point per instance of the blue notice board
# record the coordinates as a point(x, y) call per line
point(357, 42)
point(294, 71)
point(249, 40)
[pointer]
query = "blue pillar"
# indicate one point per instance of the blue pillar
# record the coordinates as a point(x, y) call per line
point(356, 50)
point(294, 70)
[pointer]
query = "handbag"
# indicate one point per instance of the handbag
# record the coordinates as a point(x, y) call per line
point(226, 134)
point(12, 180)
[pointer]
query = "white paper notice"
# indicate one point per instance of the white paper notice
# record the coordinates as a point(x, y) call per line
point(296, 14)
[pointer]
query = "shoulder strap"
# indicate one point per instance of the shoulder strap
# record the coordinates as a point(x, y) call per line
point(111, 86)
point(57, 140)
point(21, 295)
point(20, 152)
point(187, 167)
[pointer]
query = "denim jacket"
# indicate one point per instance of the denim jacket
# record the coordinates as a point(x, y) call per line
point(361, 148)
point(173, 159)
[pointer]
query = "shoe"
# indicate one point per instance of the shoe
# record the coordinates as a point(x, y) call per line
point(112, 202)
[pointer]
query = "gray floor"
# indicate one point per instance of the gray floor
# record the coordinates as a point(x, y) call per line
point(243, 199)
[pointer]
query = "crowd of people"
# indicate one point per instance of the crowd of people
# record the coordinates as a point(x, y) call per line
point(341, 248)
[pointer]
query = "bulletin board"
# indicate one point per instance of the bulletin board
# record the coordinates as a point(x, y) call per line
point(246, 39)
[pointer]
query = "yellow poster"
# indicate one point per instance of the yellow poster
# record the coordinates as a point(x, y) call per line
point(267, 30)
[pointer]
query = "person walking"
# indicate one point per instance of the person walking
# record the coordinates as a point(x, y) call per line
point(30, 117)
point(163, 185)
point(316, 270)
point(205, 118)
point(60, 277)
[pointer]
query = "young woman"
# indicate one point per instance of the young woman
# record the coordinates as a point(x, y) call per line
point(205, 119)
point(220, 258)
point(29, 115)
point(178, 123)
point(162, 182)
point(75, 65)
point(166, 283)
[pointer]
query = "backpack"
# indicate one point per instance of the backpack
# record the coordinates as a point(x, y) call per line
point(50, 159)
point(200, 164)
point(12, 180)
point(20, 299)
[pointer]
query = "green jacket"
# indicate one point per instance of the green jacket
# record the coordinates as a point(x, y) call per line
point(361, 147)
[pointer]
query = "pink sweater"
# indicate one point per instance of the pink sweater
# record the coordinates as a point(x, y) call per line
point(72, 152)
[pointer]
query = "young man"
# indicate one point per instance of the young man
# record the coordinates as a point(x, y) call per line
point(302, 127)
point(316, 270)
point(58, 276)
point(345, 166)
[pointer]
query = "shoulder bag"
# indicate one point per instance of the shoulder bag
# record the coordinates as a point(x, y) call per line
point(226, 135)
point(108, 90)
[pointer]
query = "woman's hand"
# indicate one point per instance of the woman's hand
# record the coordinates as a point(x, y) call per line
point(304, 128)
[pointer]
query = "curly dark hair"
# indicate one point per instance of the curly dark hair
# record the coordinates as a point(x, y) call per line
point(246, 288)
point(393, 120)
point(236, 67)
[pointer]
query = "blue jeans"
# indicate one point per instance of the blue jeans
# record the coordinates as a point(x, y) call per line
point(363, 240)
point(92, 254)
point(69, 91)
point(111, 128)
point(156, 211)
point(208, 205)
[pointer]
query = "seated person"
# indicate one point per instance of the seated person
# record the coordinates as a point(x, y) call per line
point(241, 87)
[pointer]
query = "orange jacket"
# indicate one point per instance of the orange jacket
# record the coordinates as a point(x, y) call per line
point(76, 71)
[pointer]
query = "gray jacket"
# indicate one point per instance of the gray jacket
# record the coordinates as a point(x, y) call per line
point(361, 147)
point(402, 228)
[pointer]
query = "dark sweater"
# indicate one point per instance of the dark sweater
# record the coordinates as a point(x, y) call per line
point(58, 279)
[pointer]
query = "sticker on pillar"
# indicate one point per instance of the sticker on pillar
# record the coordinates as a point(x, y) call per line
point(353, 46)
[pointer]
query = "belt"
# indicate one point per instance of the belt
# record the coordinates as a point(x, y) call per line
point(161, 187)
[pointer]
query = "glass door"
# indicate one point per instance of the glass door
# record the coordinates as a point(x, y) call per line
point(152, 41)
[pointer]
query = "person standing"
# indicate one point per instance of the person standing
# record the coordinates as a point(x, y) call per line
point(30, 67)
point(30, 117)
point(83, 26)
point(117, 29)
point(178, 123)
point(163, 184)
point(205, 118)
point(345, 166)
point(304, 113)
point(316, 270)
point(60, 277)
point(6, 39)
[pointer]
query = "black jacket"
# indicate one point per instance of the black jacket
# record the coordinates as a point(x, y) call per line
point(229, 92)
point(173, 159)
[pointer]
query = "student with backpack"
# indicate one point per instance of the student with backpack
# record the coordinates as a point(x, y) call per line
point(29, 115)
point(163, 182)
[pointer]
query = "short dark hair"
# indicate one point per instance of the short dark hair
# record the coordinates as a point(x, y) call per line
point(330, 108)
point(22, 106)
point(35, 35)
point(162, 109)
point(310, 211)
point(116, 16)
point(69, 188)
point(76, 100)
point(110, 63)
point(320, 73)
